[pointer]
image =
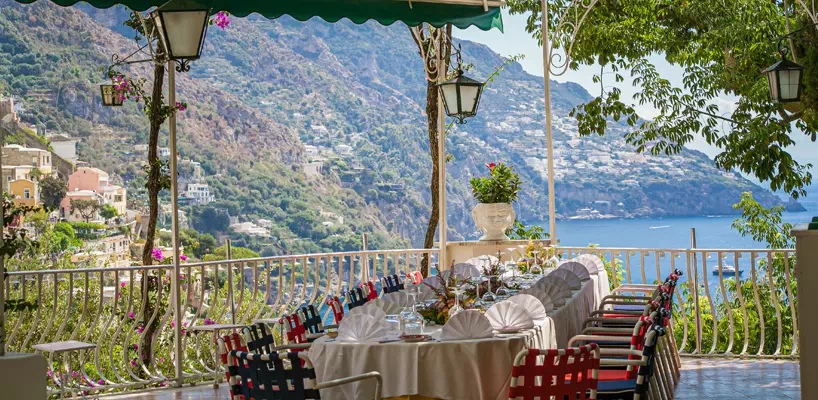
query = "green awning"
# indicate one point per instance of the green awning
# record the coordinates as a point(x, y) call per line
point(385, 12)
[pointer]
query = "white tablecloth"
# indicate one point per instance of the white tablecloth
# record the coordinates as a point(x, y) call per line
point(603, 287)
point(569, 318)
point(465, 369)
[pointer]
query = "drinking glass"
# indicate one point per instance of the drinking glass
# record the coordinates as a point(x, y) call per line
point(488, 297)
point(411, 323)
point(393, 325)
point(536, 269)
point(457, 307)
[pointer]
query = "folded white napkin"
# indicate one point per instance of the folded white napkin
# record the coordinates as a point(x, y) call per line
point(533, 306)
point(400, 298)
point(388, 307)
point(468, 324)
point(466, 271)
point(371, 308)
point(507, 315)
point(361, 328)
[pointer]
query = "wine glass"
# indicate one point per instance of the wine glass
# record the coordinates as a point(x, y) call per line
point(536, 269)
point(488, 297)
point(457, 290)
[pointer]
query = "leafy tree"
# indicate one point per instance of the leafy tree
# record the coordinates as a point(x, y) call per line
point(87, 209)
point(52, 191)
point(721, 47)
point(522, 232)
point(207, 244)
point(220, 253)
point(108, 212)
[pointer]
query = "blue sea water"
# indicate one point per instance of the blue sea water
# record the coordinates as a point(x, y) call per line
point(712, 232)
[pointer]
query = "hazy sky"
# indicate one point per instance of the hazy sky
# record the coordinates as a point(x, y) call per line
point(516, 40)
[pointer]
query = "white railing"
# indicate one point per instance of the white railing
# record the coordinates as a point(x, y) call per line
point(134, 328)
point(716, 319)
point(127, 312)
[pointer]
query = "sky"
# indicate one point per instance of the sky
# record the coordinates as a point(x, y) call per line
point(516, 40)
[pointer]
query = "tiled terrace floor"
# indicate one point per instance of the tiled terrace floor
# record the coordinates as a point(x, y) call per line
point(702, 379)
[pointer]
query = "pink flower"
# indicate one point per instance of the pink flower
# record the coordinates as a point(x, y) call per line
point(133, 362)
point(118, 295)
point(163, 384)
point(209, 322)
point(122, 284)
point(173, 323)
point(157, 254)
point(140, 329)
point(48, 373)
point(180, 106)
point(491, 166)
point(131, 315)
point(161, 359)
point(183, 258)
point(222, 20)
point(75, 374)
point(101, 382)
point(135, 346)
point(184, 332)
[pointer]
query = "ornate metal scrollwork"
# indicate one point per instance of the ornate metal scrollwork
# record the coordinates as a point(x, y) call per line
point(566, 33)
point(182, 65)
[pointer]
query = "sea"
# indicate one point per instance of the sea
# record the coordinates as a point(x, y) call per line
point(712, 232)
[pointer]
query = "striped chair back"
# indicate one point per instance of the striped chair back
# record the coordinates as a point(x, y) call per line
point(356, 298)
point(267, 376)
point(562, 373)
point(294, 329)
point(259, 339)
point(311, 320)
point(337, 308)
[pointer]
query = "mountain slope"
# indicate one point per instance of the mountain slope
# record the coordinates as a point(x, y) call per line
point(270, 96)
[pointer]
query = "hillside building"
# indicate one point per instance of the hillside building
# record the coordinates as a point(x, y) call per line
point(88, 183)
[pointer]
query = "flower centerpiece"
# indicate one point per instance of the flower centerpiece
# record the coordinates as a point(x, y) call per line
point(438, 311)
point(535, 253)
point(494, 193)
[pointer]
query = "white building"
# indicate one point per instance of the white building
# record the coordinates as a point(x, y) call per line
point(200, 192)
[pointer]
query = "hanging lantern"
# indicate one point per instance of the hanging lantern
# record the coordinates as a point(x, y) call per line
point(109, 96)
point(784, 79)
point(461, 96)
point(182, 26)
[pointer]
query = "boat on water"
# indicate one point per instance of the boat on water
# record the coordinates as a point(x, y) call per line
point(727, 270)
point(660, 227)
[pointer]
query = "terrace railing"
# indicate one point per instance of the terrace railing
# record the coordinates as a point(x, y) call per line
point(128, 312)
point(729, 302)
point(717, 313)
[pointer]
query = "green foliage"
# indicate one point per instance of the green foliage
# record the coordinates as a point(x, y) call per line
point(52, 191)
point(108, 211)
point(721, 47)
point(220, 253)
point(522, 232)
point(87, 209)
point(501, 186)
point(87, 230)
point(763, 225)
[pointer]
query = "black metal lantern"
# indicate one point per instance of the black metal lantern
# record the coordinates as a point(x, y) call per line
point(461, 94)
point(109, 96)
point(182, 26)
point(784, 79)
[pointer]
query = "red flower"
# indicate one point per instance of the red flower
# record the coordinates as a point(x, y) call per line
point(491, 166)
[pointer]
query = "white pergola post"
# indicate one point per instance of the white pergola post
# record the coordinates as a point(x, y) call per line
point(174, 201)
point(549, 138)
point(441, 157)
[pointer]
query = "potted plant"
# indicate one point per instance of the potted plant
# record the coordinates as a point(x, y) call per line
point(494, 194)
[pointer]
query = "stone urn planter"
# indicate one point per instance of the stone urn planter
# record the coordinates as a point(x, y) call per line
point(493, 219)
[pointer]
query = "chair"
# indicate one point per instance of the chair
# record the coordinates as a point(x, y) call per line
point(226, 344)
point(356, 298)
point(564, 374)
point(311, 320)
point(369, 290)
point(391, 284)
point(283, 376)
point(644, 385)
point(337, 311)
point(415, 277)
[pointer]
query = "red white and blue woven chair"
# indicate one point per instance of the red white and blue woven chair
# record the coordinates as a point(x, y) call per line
point(269, 377)
point(356, 298)
point(337, 311)
point(226, 344)
point(311, 319)
point(564, 374)
point(415, 277)
point(391, 284)
point(645, 384)
point(369, 290)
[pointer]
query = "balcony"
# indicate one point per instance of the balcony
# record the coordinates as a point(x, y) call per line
point(752, 352)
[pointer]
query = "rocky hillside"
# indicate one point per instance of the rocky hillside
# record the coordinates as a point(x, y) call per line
point(270, 96)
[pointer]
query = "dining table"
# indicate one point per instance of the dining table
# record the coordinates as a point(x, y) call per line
point(446, 370)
